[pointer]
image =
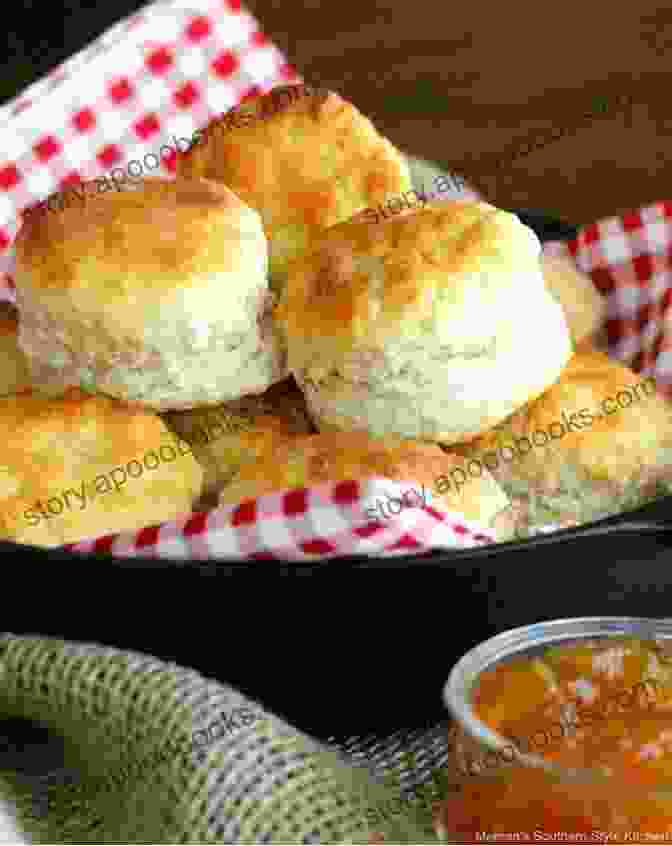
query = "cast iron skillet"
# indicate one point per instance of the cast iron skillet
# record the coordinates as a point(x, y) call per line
point(335, 652)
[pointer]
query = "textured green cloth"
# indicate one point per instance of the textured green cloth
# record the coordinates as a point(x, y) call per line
point(138, 767)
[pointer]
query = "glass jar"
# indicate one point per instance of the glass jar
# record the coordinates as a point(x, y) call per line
point(513, 782)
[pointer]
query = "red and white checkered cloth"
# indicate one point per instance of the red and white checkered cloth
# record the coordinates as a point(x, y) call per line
point(306, 523)
point(160, 75)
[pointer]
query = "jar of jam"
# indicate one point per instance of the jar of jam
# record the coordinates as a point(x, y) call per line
point(563, 733)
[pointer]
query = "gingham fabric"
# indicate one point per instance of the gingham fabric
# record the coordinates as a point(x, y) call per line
point(154, 79)
point(142, 751)
point(305, 523)
point(629, 259)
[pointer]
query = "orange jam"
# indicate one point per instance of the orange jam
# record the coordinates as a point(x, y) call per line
point(603, 705)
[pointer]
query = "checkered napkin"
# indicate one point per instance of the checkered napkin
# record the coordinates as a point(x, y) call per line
point(145, 87)
point(629, 259)
point(151, 80)
point(302, 524)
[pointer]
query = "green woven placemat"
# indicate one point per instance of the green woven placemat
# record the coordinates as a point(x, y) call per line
point(150, 752)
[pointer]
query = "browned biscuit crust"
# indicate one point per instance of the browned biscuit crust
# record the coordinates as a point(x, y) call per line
point(237, 432)
point(337, 456)
point(156, 295)
point(82, 466)
point(304, 158)
point(14, 369)
point(584, 306)
point(414, 326)
point(598, 441)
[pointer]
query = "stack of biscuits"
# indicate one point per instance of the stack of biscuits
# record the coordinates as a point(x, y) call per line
point(250, 319)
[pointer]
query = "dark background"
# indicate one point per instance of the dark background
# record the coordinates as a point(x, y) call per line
point(44, 33)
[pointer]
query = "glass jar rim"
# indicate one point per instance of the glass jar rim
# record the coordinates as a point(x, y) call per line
point(523, 639)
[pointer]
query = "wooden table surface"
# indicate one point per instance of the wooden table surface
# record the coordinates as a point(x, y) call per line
point(459, 82)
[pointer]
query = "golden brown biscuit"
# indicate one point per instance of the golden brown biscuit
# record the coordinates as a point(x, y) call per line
point(156, 294)
point(81, 466)
point(230, 435)
point(14, 370)
point(304, 158)
point(420, 325)
point(597, 442)
point(339, 456)
point(584, 306)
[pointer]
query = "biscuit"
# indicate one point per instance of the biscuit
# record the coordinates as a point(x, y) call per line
point(434, 324)
point(225, 437)
point(338, 456)
point(81, 466)
point(597, 442)
point(582, 303)
point(14, 369)
point(156, 295)
point(304, 158)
